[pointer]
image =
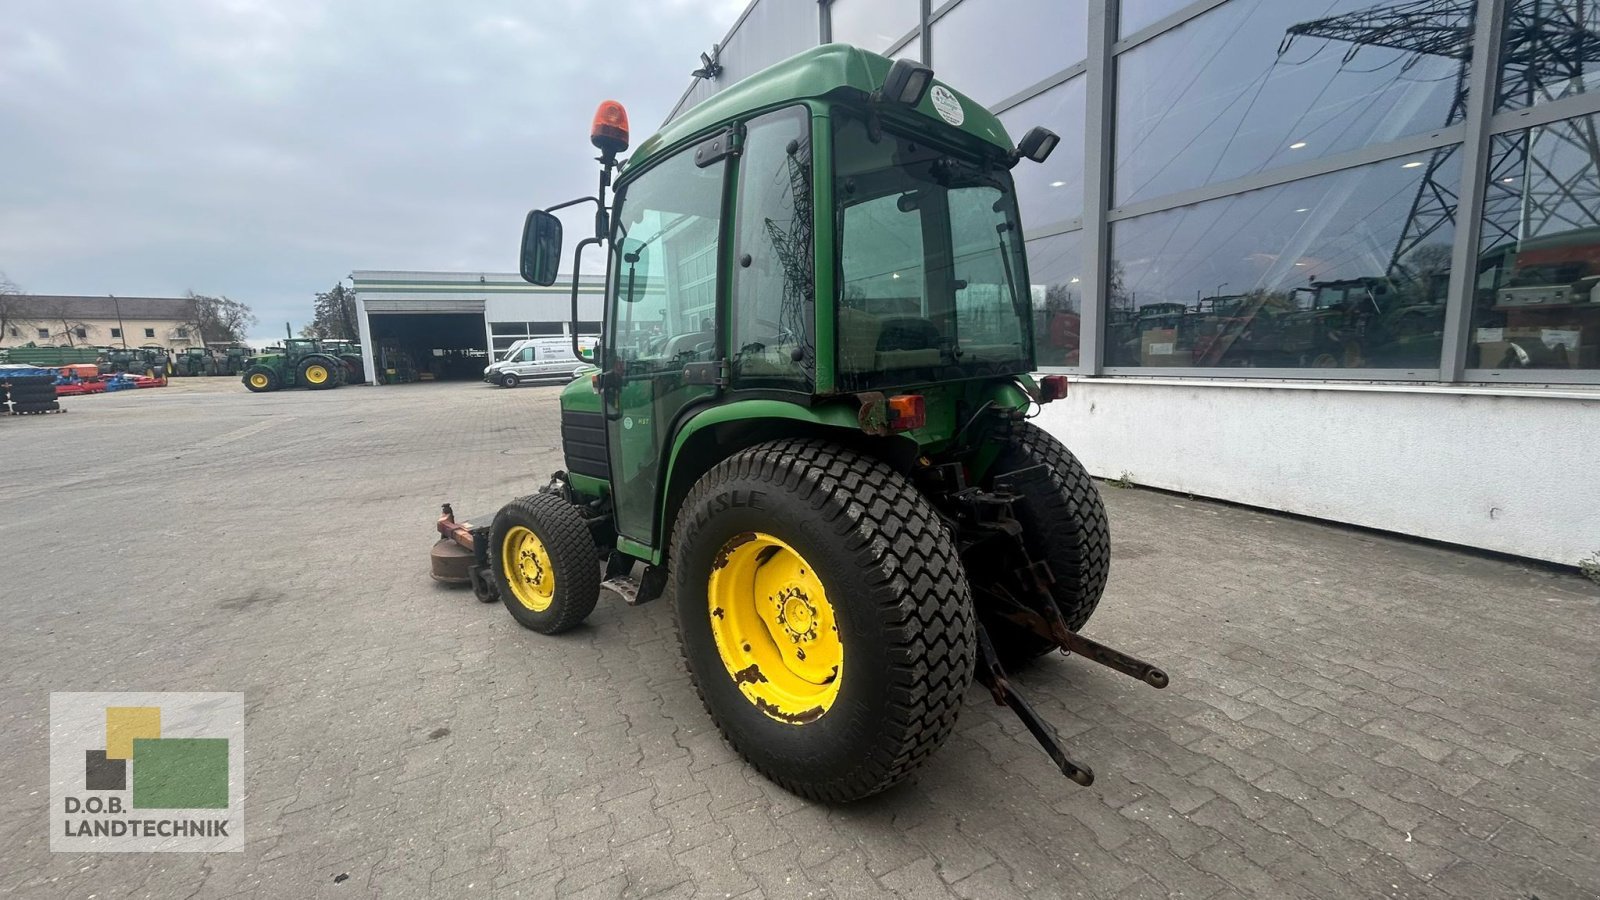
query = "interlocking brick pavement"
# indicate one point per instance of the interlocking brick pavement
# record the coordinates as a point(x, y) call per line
point(1350, 715)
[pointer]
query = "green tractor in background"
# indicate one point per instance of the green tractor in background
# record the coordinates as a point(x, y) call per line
point(350, 353)
point(808, 416)
point(298, 362)
point(193, 361)
point(235, 359)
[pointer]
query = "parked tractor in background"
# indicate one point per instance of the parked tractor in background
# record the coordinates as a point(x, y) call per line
point(350, 353)
point(235, 359)
point(193, 361)
point(808, 416)
point(299, 362)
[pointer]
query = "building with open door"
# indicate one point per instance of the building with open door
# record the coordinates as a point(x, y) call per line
point(435, 326)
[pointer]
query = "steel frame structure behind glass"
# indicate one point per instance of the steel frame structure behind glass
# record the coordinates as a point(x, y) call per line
point(1474, 134)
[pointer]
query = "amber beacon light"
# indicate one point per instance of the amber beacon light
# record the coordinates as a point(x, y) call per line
point(609, 133)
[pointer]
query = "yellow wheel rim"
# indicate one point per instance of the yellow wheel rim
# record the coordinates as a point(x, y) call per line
point(258, 380)
point(527, 569)
point(316, 374)
point(775, 629)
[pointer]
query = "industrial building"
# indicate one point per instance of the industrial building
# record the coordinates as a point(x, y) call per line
point(448, 325)
point(1338, 258)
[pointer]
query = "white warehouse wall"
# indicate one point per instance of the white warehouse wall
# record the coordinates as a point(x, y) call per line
point(1505, 469)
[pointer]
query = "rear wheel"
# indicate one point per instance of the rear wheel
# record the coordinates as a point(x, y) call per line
point(824, 616)
point(319, 374)
point(544, 562)
point(260, 379)
point(1064, 523)
point(509, 379)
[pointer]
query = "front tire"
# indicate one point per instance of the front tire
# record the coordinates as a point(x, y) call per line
point(260, 380)
point(509, 380)
point(801, 545)
point(544, 562)
point(1064, 523)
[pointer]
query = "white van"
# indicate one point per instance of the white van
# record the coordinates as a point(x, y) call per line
point(533, 359)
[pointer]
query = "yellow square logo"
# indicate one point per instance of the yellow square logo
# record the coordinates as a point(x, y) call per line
point(124, 724)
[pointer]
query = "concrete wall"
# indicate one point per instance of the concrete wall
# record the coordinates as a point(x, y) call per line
point(1506, 469)
point(544, 308)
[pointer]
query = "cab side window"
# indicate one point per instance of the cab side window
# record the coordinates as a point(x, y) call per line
point(772, 342)
point(664, 267)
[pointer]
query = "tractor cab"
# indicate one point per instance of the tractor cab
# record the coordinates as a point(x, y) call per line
point(807, 413)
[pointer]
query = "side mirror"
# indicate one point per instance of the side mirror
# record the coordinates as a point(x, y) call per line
point(541, 248)
point(1037, 144)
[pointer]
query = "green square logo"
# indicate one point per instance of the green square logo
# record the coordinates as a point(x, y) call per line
point(180, 773)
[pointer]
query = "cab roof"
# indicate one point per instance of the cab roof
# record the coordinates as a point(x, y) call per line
point(823, 71)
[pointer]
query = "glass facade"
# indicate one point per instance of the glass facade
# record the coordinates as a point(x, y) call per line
point(1326, 272)
point(874, 24)
point(1292, 188)
point(1037, 36)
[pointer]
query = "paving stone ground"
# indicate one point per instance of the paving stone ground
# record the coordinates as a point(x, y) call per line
point(1350, 715)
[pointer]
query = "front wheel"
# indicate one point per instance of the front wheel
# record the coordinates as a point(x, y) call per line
point(260, 380)
point(509, 379)
point(824, 616)
point(544, 563)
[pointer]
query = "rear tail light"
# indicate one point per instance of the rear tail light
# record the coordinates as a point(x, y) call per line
point(1052, 387)
point(907, 411)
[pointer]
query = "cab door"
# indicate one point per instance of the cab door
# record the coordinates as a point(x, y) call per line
point(662, 330)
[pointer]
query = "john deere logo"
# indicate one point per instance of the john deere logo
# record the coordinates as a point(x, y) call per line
point(146, 772)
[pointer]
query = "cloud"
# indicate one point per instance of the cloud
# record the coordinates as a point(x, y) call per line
point(263, 149)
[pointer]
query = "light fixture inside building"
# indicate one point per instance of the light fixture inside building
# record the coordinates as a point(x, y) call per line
point(1304, 209)
point(1057, 183)
point(895, 275)
point(1073, 281)
point(1411, 165)
point(1297, 145)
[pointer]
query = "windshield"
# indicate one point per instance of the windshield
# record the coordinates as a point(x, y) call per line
point(930, 263)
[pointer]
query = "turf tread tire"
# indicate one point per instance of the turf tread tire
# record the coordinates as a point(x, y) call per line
point(906, 565)
point(1066, 526)
point(573, 557)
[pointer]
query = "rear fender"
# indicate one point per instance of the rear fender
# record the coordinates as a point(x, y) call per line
point(714, 434)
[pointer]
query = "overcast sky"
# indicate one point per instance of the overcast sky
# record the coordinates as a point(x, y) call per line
point(264, 149)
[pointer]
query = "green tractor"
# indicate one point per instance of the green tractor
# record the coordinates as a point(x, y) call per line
point(298, 362)
point(349, 352)
point(235, 359)
point(193, 361)
point(808, 424)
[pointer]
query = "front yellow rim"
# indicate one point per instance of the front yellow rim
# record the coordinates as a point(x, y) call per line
point(775, 629)
point(258, 380)
point(527, 569)
point(316, 374)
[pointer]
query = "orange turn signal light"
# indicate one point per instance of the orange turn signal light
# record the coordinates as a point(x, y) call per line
point(609, 133)
point(907, 411)
point(1052, 387)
